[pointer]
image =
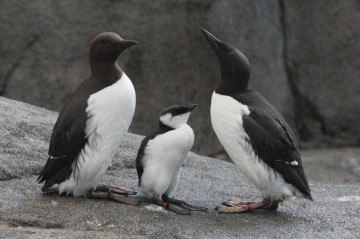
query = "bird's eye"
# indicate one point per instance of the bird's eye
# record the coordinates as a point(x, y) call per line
point(103, 42)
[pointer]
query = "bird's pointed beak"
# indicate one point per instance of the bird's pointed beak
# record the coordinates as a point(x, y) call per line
point(127, 43)
point(191, 107)
point(211, 39)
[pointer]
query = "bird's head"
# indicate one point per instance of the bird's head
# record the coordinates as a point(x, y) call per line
point(107, 46)
point(175, 116)
point(234, 66)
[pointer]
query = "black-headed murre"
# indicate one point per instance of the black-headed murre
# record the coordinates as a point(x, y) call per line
point(91, 125)
point(161, 156)
point(254, 134)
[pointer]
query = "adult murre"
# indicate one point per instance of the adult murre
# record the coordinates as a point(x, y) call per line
point(160, 158)
point(254, 134)
point(91, 125)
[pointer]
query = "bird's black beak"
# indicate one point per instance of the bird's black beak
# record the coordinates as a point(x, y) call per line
point(221, 48)
point(191, 107)
point(211, 39)
point(127, 43)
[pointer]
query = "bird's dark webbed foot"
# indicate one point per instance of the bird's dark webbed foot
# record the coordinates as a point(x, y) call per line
point(171, 207)
point(183, 204)
point(118, 194)
point(239, 206)
point(273, 205)
point(178, 206)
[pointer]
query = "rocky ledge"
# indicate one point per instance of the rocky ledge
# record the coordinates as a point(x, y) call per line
point(26, 213)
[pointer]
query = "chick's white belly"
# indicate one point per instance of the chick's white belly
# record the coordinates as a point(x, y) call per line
point(162, 161)
point(110, 112)
point(226, 119)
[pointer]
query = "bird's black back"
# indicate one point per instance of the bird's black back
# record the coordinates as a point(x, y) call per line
point(272, 139)
point(141, 152)
point(68, 137)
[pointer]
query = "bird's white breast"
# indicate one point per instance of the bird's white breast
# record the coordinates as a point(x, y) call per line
point(110, 112)
point(227, 121)
point(162, 161)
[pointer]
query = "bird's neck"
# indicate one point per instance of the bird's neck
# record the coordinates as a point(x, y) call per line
point(232, 86)
point(105, 70)
point(164, 127)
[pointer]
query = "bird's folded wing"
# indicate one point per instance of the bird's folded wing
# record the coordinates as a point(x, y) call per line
point(273, 141)
point(67, 140)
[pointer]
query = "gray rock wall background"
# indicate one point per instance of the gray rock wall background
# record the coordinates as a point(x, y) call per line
point(304, 57)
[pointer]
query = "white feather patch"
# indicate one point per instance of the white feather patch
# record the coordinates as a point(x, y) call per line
point(226, 119)
point(162, 161)
point(109, 112)
point(175, 121)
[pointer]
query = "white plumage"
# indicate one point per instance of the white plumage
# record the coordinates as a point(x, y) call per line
point(226, 119)
point(163, 158)
point(110, 112)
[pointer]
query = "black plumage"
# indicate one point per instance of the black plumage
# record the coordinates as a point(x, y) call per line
point(272, 139)
point(74, 152)
point(139, 164)
point(68, 136)
point(262, 127)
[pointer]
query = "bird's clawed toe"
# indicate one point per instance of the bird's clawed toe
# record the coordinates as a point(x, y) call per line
point(121, 195)
point(238, 206)
point(234, 202)
point(193, 207)
point(178, 206)
point(185, 205)
point(178, 210)
point(125, 199)
point(232, 209)
point(115, 190)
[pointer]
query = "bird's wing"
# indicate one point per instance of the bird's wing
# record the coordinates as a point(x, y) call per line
point(141, 152)
point(140, 156)
point(68, 138)
point(273, 141)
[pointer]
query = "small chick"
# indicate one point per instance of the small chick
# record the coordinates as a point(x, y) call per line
point(161, 156)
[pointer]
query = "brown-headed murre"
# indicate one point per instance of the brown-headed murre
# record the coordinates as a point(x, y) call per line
point(91, 125)
point(254, 134)
point(161, 156)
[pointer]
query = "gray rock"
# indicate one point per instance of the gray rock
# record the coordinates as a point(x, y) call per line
point(326, 164)
point(303, 58)
point(332, 164)
point(44, 53)
point(254, 27)
point(322, 45)
point(26, 213)
point(25, 132)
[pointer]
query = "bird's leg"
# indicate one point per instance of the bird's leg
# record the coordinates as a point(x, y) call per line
point(168, 206)
point(237, 206)
point(124, 199)
point(115, 190)
point(96, 194)
point(183, 204)
point(233, 202)
point(273, 205)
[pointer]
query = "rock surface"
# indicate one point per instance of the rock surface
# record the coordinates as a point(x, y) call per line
point(303, 57)
point(322, 46)
point(332, 164)
point(44, 57)
point(326, 164)
point(26, 213)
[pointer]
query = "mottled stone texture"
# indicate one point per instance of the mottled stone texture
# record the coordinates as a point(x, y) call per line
point(323, 48)
point(44, 48)
point(26, 213)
